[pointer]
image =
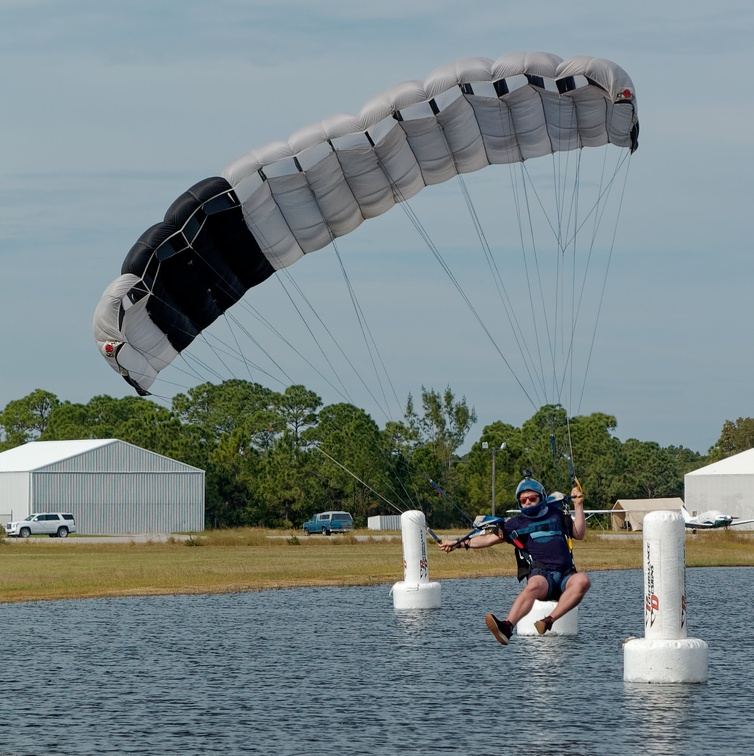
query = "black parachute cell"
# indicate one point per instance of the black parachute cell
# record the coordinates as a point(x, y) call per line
point(197, 263)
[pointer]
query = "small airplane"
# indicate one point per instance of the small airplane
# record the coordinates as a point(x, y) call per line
point(710, 520)
point(560, 499)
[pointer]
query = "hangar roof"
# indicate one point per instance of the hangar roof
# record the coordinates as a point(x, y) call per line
point(38, 454)
point(738, 464)
point(648, 505)
point(91, 455)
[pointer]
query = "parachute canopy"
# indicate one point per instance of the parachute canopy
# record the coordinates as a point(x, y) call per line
point(275, 204)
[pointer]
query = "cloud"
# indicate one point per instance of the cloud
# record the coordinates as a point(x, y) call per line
point(113, 109)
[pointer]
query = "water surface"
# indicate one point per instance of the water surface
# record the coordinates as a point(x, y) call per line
point(338, 671)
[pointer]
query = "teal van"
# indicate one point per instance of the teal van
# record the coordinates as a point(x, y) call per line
point(329, 522)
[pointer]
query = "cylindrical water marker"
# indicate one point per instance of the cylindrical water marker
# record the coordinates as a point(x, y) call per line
point(414, 536)
point(568, 624)
point(664, 578)
point(415, 591)
point(665, 654)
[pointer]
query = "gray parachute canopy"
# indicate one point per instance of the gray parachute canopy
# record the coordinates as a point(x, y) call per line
point(275, 204)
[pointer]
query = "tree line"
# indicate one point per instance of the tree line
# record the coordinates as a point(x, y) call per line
point(272, 459)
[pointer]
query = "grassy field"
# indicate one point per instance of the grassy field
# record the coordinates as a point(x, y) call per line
point(248, 560)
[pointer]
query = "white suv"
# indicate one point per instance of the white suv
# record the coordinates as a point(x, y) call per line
point(55, 525)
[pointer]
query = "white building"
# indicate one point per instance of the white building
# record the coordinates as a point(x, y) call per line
point(111, 487)
point(384, 522)
point(727, 486)
point(629, 514)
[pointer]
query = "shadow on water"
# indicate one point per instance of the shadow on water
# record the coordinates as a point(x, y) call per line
point(337, 670)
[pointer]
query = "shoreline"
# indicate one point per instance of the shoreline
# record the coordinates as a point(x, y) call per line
point(246, 560)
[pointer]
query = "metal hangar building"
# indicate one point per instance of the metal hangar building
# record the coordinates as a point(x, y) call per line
point(111, 487)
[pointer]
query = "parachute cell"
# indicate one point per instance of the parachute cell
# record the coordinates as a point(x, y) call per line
point(275, 204)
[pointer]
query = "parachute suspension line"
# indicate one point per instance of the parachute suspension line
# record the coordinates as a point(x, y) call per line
point(505, 299)
point(558, 297)
point(555, 344)
point(568, 366)
point(357, 478)
point(566, 209)
point(226, 350)
point(238, 347)
point(193, 364)
point(217, 353)
point(232, 319)
point(233, 323)
point(517, 192)
point(377, 493)
point(268, 249)
point(604, 281)
point(366, 333)
point(595, 206)
point(343, 353)
point(190, 371)
point(596, 213)
point(562, 292)
point(558, 284)
point(455, 506)
point(365, 330)
point(344, 393)
point(571, 463)
point(369, 341)
point(435, 251)
point(368, 337)
point(416, 222)
point(496, 277)
point(402, 495)
point(575, 305)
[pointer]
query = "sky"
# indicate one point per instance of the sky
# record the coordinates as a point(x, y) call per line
point(112, 110)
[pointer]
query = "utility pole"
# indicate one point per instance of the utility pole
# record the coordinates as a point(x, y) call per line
point(485, 445)
point(493, 482)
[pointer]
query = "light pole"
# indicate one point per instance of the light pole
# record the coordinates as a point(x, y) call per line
point(485, 445)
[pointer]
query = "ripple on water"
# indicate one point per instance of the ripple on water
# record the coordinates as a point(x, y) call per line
point(337, 670)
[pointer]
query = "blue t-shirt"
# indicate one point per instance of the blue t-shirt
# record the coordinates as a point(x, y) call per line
point(547, 544)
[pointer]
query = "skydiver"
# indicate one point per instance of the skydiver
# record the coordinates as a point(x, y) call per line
point(541, 536)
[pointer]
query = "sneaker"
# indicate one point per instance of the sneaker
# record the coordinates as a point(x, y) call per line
point(544, 625)
point(502, 630)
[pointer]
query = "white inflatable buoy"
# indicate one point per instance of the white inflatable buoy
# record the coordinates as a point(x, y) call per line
point(568, 624)
point(415, 591)
point(665, 654)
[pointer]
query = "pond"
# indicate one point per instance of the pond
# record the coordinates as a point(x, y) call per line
point(337, 670)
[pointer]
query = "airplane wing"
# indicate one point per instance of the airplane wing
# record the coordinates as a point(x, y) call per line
point(587, 512)
point(712, 526)
point(591, 512)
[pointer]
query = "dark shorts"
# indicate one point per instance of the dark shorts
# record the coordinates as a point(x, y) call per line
point(555, 580)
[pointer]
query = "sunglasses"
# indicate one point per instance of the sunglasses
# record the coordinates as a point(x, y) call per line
point(529, 499)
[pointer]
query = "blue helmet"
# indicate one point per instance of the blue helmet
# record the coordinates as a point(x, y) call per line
point(529, 484)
